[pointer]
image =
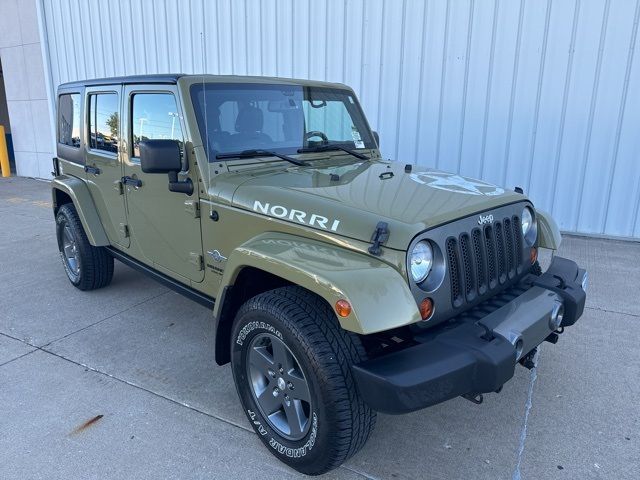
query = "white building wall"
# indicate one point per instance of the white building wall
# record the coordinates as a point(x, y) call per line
point(539, 94)
point(25, 87)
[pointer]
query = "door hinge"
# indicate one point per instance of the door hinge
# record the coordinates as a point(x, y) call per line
point(124, 230)
point(197, 260)
point(117, 186)
point(192, 207)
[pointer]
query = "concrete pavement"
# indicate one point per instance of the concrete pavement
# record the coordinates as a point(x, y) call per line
point(121, 382)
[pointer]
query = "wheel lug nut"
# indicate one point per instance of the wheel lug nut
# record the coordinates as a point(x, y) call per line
point(290, 386)
point(272, 373)
point(276, 392)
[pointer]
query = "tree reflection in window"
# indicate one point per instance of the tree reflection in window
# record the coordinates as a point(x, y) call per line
point(154, 116)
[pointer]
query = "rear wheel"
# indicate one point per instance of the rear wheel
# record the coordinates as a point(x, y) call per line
point(87, 267)
point(291, 363)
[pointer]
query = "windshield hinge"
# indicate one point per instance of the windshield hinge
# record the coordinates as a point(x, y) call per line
point(380, 235)
point(192, 207)
point(197, 260)
point(124, 230)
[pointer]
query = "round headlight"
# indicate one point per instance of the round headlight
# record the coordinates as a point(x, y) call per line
point(421, 261)
point(529, 227)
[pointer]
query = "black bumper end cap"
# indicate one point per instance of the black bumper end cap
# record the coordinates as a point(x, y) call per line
point(564, 277)
point(455, 363)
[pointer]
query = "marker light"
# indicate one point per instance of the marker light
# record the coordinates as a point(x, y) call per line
point(426, 308)
point(533, 255)
point(343, 308)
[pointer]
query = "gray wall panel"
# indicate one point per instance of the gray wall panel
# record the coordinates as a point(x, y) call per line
point(543, 95)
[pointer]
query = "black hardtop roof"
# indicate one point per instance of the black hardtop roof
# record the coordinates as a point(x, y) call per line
point(155, 78)
point(172, 78)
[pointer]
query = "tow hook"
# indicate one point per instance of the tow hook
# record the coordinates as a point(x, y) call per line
point(476, 398)
point(528, 360)
point(552, 338)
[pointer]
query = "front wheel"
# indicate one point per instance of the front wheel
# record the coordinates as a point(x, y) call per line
point(291, 363)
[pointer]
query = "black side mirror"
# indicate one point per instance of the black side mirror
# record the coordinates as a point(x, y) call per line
point(376, 137)
point(160, 156)
point(163, 156)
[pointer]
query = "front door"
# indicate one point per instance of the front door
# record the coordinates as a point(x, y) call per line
point(164, 226)
point(103, 165)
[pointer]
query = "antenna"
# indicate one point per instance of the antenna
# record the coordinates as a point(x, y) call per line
point(206, 118)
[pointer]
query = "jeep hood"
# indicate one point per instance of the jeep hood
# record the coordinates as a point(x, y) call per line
point(350, 200)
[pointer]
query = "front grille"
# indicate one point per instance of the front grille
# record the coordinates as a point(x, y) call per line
point(452, 258)
point(480, 254)
point(484, 259)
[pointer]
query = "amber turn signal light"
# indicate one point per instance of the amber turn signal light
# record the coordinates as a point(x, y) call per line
point(533, 255)
point(426, 308)
point(343, 308)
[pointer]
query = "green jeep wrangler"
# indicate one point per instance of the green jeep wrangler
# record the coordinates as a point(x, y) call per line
point(341, 284)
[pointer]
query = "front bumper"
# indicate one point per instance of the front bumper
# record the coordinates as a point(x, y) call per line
point(476, 352)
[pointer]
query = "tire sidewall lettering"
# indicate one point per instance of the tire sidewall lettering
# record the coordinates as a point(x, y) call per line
point(252, 416)
point(290, 452)
point(254, 325)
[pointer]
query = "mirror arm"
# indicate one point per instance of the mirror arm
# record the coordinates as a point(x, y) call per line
point(180, 186)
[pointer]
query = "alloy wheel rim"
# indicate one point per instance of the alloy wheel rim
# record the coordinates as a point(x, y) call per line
point(279, 386)
point(70, 250)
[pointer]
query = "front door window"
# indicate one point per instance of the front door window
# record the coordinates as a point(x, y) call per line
point(154, 116)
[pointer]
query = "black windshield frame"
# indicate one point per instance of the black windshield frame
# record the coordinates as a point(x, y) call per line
point(307, 92)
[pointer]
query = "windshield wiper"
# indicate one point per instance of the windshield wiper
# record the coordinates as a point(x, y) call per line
point(329, 148)
point(260, 153)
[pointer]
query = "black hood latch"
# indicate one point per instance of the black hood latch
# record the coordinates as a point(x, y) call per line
point(380, 235)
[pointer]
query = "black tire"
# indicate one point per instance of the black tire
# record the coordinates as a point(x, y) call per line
point(536, 269)
point(339, 422)
point(92, 267)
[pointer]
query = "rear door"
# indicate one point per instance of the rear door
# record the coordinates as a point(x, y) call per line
point(164, 225)
point(103, 165)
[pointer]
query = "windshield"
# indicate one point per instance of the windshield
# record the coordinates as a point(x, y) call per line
point(277, 118)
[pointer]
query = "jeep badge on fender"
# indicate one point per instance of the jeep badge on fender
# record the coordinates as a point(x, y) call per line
point(341, 284)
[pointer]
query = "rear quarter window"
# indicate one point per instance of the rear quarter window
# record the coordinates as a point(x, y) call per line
point(69, 119)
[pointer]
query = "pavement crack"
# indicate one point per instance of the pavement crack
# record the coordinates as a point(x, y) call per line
point(523, 434)
point(139, 387)
point(358, 472)
point(104, 319)
point(613, 311)
point(18, 339)
point(42, 348)
point(18, 357)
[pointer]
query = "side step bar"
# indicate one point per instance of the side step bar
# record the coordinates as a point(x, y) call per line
point(165, 280)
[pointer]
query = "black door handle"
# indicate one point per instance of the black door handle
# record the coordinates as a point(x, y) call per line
point(133, 182)
point(93, 170)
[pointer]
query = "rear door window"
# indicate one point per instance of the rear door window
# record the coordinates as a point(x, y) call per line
point(104, 122)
